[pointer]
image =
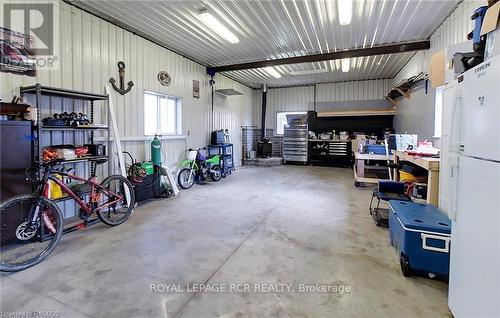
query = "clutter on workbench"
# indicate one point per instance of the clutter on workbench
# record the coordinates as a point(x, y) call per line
point(424, 149)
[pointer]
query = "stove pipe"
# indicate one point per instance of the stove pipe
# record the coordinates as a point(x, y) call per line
point(264, 106)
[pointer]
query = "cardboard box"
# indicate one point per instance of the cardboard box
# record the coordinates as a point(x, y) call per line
point(492, 31)
point(437, 66)
point(442, 70)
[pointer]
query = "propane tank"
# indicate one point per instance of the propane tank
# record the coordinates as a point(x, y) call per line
point(156, 151)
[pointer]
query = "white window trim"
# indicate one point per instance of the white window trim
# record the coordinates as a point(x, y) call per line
point(297, 112)
point(178, 113)
point(438, 112)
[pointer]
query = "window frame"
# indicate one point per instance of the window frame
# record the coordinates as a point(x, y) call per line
point(178, 113)
point(291, 112)
point(438, 112)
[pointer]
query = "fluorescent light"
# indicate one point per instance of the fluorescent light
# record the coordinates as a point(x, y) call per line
point(346, 64)
point(271, 71)
point(345, 11)
point(308, 72)
point(214, 25)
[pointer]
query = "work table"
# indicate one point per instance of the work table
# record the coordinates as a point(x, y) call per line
point(428, 163)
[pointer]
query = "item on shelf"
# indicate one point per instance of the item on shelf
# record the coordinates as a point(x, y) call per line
point(72, 119)
point(96, 149)
point(70, 171)
point(49, 154)
point(325, 136)
point(31, 114)
point(66, 154)
point(217, 137)
point(344, 135)
point(81, 151)
point(55, 191)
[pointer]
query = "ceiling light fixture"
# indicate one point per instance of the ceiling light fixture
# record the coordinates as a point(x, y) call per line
point(213, 24)
point(346, 64)
point(271, 71)
point(345, 11)
point(308, 72)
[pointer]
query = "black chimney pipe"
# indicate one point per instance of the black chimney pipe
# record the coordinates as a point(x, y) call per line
point(264, 106)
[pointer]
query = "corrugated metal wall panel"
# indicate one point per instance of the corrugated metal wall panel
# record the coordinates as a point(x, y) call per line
point(90, 49)
point(453, 30)
point(302, 98)
point(352, 91)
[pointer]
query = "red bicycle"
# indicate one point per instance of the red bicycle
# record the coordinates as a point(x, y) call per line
point(31, 225)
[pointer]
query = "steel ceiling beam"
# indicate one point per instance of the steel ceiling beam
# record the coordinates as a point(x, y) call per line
point(370, 51)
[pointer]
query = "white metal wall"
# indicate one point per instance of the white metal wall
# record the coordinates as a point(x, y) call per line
point(302, 98)
point(90, 49)
point(453, 30)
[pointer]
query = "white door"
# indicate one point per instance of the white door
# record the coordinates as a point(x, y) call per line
point(480, 114)
point(474, 288)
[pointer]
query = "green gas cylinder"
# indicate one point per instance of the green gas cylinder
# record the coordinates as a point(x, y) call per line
point(156, 151)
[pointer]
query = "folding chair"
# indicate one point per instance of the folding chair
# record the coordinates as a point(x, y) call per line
point(386, 190)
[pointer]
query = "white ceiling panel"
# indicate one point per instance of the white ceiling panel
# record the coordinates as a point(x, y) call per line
point(270, 29)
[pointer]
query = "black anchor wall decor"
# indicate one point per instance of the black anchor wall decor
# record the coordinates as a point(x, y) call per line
point(121, 89)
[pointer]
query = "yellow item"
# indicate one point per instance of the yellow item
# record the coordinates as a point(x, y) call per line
point(55, 189)
point(406, 177)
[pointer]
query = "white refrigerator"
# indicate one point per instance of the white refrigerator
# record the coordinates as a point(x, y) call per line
point(473, 163)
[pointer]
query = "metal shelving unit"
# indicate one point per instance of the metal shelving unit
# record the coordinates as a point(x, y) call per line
point(39, 91)
point(226, 153)
point(87, 103)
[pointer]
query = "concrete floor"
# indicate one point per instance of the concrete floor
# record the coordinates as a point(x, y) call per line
point(288, 225)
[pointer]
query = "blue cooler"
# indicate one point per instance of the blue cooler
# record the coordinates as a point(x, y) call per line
point(421, 235)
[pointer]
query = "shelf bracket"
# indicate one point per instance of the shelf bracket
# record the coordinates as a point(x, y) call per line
point(404, 93)
point(393, 102)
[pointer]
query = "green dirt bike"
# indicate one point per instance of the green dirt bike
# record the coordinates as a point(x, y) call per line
point(199, 166)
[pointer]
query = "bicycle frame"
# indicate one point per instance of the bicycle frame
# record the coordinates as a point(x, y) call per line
point(88, 209)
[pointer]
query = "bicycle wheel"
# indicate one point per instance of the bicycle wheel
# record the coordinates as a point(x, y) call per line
point(116, 210)
point(24, 243)
point(186, 178)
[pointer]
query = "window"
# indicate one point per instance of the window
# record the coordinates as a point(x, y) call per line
point(281, 120)
point(438, 112)
point(162, 114)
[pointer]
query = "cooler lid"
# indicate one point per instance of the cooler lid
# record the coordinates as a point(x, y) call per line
point(422, 217)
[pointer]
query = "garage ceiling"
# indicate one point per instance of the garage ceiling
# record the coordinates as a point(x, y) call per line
point(273, 29)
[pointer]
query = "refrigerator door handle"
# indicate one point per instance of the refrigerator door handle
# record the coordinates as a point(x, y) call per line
point(454, 161)
point(454, 132)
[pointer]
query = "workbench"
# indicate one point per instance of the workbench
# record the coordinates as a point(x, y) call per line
point(428, 163)
point(359, 167)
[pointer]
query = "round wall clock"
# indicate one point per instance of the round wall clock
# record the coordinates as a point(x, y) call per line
point(164, 78)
